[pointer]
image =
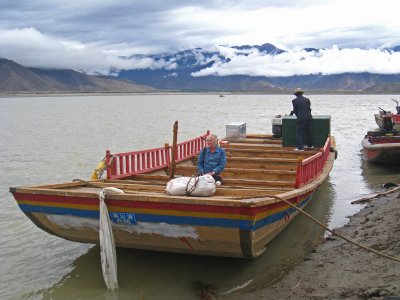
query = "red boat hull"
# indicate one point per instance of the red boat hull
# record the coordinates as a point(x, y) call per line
point(381, 150)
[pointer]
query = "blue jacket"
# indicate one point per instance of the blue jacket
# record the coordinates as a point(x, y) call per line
point(211, 162)
point(301, 108)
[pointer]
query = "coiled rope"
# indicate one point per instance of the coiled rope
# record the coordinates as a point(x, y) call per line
point(189, 190)
point(334, 233)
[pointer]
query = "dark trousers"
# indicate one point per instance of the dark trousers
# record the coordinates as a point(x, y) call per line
point(303, 133)
point(217, 178)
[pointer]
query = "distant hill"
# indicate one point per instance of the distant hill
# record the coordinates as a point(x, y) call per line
point(385, 88)
point(15, 78)
point(347, 82)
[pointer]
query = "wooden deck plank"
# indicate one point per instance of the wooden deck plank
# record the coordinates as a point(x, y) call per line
point(258, 141)
point(252, 185)
point(160, 189)
point(269, 153)
point(262, 163)
point(261, 174)
point(281, 184)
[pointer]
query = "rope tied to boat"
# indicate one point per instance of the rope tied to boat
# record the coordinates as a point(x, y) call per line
point(189, 190)
point(101, 167)
point(334, 233)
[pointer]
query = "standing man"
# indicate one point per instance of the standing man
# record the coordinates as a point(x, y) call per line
point(212, 159)
point(302, 110)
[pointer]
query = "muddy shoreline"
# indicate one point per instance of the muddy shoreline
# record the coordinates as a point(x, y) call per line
point(339, 270)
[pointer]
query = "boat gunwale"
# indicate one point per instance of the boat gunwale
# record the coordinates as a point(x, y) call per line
point(57, 189)
point(369, 146)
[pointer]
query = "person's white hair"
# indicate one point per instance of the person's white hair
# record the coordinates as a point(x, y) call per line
point(214, 138)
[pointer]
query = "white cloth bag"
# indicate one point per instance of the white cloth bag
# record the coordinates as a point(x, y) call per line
point(202, 186)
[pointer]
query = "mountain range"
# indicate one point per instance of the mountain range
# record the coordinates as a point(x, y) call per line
point(15, 78)
point(176, 72)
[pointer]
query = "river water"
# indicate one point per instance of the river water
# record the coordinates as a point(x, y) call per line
point(57, 139)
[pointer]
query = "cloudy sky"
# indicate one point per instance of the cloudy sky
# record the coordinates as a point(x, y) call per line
point(92, 35)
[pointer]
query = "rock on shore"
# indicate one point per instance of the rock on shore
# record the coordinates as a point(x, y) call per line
point(339, 270)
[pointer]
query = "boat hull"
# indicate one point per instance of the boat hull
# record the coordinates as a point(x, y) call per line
point(388, 153)
point(233, 231)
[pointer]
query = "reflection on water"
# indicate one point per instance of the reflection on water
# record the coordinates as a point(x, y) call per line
point(376, 175)
point(57, 139)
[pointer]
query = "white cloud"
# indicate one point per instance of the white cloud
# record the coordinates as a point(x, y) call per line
point(346, 23)
point(94, 35)
point(31, 48)
point(300, 62)
point(170, 25)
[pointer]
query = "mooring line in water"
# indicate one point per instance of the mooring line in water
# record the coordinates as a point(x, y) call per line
point(334, 232)
point(107, 244)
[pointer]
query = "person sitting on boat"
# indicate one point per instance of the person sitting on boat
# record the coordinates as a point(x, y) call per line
point(212, 159)
point(302, 110)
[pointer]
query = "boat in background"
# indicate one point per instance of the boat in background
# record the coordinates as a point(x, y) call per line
point(386, 119)
point(382, 147)
point(239, 220)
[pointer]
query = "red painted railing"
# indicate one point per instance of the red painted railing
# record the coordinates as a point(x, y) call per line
point(188, 149)
point(122, 165)
point(312, 166)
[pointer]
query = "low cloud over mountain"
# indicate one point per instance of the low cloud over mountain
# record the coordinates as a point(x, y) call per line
point(260, 68)
point(268, 68)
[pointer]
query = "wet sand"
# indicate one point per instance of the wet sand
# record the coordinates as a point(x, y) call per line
point(339, 270)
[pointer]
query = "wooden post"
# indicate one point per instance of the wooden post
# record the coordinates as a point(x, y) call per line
point(173, 151)
point(108, 162)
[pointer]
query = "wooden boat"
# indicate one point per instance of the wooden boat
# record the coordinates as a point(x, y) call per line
point(386, 119)
point(381, 147)
point(237, 221)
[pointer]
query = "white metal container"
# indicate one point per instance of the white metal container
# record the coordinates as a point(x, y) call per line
point(277, 126)
point(235, 131)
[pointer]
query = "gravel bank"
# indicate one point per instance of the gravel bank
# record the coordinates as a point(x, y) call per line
point(339, 270)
